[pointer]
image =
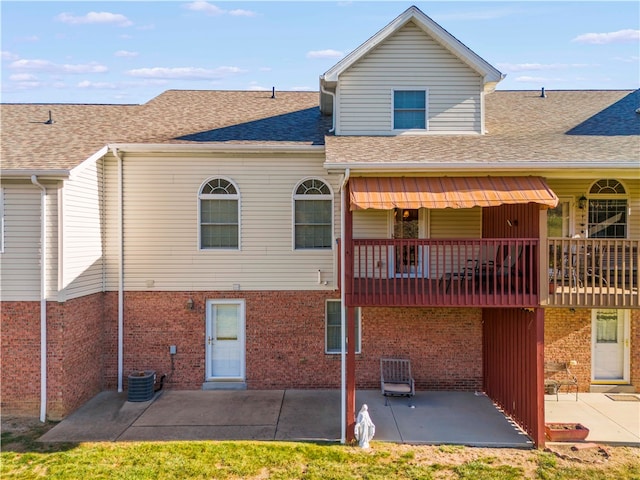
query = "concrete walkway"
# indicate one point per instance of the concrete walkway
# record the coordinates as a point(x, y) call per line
point(314, 415)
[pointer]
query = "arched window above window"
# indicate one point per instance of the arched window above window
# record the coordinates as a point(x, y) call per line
point(607, 187)
point(219, 203)
point(313, 215)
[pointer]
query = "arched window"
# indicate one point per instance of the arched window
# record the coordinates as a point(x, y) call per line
point(219, 214)
point(313, 214)
point(607, 214)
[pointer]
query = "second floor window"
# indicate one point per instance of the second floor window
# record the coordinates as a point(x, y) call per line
point(409, 110)
point(313, 211)
point(607, 210)
point(219, 215)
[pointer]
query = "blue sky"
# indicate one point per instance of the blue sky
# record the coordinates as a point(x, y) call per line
point(129, 52)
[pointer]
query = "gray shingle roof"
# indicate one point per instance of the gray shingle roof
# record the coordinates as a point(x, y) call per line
point(574, 126)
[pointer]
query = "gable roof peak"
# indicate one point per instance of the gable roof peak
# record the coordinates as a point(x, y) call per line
point(489, 73)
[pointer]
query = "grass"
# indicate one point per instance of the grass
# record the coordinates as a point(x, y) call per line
point(23, 457)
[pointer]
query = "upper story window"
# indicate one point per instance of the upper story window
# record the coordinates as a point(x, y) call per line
point(607, 210)
point(313, 207)
point(219, 214)
point(410, 110)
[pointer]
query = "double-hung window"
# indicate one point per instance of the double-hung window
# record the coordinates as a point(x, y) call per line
point(409, 109)
point(219, 215)
point(313, 213)
point(333, 327)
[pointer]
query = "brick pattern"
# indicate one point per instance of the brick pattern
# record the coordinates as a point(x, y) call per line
point(284, 344)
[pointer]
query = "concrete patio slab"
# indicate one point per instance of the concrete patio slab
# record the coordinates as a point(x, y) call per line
point(611, 422)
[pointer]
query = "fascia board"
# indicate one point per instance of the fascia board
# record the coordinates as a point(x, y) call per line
point(233, 148)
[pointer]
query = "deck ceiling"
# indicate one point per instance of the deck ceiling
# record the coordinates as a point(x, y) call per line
point(387, 193)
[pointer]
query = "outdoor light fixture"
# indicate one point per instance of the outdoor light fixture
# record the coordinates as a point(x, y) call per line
point(190, 304)
point(582, 202)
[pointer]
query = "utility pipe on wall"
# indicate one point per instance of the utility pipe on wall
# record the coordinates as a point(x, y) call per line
point(343, 314)
point(120, 273)
point(43, 297)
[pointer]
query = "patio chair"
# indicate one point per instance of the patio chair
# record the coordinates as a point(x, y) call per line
point(558, 375)
point(396, 379)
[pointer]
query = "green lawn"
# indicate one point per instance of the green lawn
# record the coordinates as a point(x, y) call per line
point(24, 458)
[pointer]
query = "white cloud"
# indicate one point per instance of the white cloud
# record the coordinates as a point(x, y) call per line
point(6, 55)
point(50, 67)
point(537, 80)
point(125, 53)
point(96, 85)
point(213, 10)
point(631, 59)
point(257, 88)
point(184, 73)
point(22, 77)
point(611, 37)
point(242, 13)
point(95, 17)
point(325, 54)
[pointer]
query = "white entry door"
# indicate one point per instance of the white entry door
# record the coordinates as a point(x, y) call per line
point(225, 350)
point(610, 346)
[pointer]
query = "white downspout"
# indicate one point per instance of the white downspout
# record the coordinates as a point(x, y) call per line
point(343, 314)
point(43, 298)
point(333, 113)
point(120, 273)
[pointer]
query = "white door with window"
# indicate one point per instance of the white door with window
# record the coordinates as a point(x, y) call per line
point(225, 341)
point(408, 260)
point(610, 346)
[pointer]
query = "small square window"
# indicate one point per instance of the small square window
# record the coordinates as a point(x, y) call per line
point(409, 109)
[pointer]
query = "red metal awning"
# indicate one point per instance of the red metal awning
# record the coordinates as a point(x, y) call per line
point(387, 193)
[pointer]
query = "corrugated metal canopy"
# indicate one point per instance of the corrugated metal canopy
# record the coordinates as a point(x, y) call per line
point(387, 193)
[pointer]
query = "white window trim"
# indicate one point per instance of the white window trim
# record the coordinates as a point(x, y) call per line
point(237, 197)
point(426, 110)
point(359, 323)
point(295, 197)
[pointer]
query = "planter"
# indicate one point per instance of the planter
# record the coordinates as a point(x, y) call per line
point(566, 432)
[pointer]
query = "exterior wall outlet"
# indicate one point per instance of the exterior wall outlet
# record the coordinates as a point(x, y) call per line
point(172, 349)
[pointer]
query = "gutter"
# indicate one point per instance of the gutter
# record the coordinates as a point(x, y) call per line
point(474, 166)
point(343, 314)
point(43, 298)
point(114, 150)
point(218, 148)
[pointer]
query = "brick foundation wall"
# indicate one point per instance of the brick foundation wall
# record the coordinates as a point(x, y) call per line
point(285, 341)
point(635, 349)
point(20, 360)
point(74, 355)
point(444, 345)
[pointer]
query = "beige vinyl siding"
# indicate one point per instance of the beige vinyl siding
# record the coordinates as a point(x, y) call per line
point(409, 58)
point(161, 224)
point(577, 188)
point(20, 262)
point(82, 272)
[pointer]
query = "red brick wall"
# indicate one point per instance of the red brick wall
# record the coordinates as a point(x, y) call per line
point(74, 355)
point(285, 341)
point(444, 345)
point(20, 360)
point(635, 349)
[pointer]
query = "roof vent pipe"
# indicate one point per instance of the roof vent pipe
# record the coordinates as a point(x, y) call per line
point(273, 92)
point(542, 94)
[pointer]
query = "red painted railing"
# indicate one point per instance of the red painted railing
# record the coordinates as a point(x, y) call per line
point(448, 272)
point(593, 272)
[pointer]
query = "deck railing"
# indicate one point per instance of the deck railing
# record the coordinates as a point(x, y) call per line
point(456, 272)
point(593, 272)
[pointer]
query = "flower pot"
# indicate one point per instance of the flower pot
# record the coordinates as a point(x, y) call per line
point(566, 432)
